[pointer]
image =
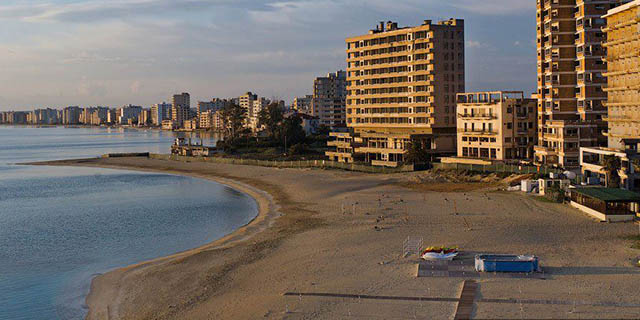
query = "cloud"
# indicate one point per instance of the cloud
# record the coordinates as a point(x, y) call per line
point(476, 44)
point(142, 51)
point(494, 7)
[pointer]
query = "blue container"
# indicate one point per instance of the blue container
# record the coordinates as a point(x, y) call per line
point(506, 263)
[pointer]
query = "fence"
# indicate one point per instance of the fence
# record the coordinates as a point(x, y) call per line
point(496, 167)
point(301, 164)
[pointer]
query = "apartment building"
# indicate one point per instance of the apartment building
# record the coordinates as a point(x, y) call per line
point(181, 109)
point(570, 78)
point(623, 103)
point(214, 105)
point(160, 112)
point(496, 126)
point(623, 74)
point(128, 115)
point(303, 104)
point(401, 88)
point(329, 99)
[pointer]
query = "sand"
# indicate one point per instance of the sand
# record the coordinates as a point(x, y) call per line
point(338, 232)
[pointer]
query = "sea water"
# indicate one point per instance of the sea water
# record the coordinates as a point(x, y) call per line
point(60, 226)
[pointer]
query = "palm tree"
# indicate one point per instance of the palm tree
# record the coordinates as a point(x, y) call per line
point(415, 153)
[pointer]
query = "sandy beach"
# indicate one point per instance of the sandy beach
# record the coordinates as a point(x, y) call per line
point(341, 233)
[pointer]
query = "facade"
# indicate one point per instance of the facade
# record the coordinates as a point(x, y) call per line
point(623, 79)
point(71, 115)
point(570, 78)
point(344, 145)
point(213, 105)
point(328, 102)
point(401, 89)
point(180, 109)
point(303, 104)
point(593, 167)
point(128, 115)
point(497, 126)
point(160, 112)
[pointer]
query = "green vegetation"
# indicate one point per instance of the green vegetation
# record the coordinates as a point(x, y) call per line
point(416, 153)
point(555, 194)
point(282, 138)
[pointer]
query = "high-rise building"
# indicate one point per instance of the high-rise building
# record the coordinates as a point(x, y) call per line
point(498, 126)
point(623, 61)
point(329, 99)
point(214, 105)
point(71, 115)
point(302, 104)
point(181, 109)
point(160, 112)
point(401, 89)
point(570, 78)
point(623, 103)
point(128, 115)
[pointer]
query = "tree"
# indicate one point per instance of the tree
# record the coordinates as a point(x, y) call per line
point(611, 166)
point(233, 119)
point(271, 118)
point(291, 131)
point(415, 153)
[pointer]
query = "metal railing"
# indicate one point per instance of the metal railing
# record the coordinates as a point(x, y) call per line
point(299, 164)
point(496, 167)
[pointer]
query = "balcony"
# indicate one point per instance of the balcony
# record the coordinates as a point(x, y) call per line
point(478, 132)
point(477, 116)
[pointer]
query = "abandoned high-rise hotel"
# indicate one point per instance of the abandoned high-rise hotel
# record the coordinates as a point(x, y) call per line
point(571, 106)
point(401, 88)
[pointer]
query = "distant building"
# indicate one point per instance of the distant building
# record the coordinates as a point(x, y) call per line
point(191, 124)
point(214, 105)
point(496, 126)
point(253, 105)
point(329, 99)
point(168, 125)
point(145, 117)
point(71, 115)
point(303, 104)
point(181, 109)
point(160, 112)
point(128, 115)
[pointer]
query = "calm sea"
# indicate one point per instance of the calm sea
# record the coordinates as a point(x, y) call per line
point(59, 227)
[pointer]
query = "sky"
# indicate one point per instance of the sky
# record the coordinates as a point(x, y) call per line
point(56, 53)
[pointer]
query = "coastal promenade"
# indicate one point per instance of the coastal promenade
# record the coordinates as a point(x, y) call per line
point(336, 239)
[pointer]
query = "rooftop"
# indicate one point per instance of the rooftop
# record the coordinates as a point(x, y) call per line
point(609, 194)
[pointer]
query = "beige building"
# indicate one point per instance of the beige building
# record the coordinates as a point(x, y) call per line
point(623, 74)
point(497, 126)
point(329, 98)
point(570, 78)
point(623, 103)
point(401, 88)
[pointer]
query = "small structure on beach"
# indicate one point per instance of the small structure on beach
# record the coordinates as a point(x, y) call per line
point(184, 147)
point(606, 204)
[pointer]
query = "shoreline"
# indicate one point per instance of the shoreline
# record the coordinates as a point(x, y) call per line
point(267, 213)
point(341, 233)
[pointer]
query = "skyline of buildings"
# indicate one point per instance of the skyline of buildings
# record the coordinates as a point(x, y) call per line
point(403, 86)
